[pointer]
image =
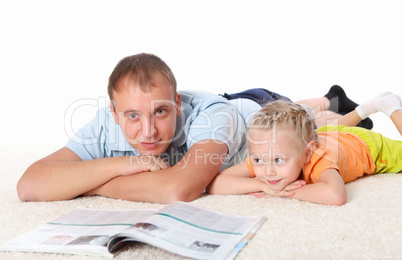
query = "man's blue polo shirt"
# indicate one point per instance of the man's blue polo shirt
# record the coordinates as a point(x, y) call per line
point(203, 116)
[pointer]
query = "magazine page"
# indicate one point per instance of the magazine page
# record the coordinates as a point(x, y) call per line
point(191, 231)
point(81, 231)
point(244, 241)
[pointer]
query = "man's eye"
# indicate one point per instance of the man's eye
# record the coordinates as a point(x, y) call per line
point(132, 116)
point(160, 112)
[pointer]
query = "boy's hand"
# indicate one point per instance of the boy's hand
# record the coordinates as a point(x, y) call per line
point(287, 192)
point(295, 185)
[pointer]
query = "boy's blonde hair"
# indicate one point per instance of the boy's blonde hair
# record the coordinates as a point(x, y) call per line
point(286, 113)
point(142, 68)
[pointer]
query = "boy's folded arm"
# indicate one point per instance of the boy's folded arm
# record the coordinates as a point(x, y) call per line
point(228, 184)
point(237, 180)
point(288, 191)
point(184, 181)
point(329, 190)
point(239, 170)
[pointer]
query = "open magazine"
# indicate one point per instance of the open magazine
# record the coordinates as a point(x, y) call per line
point(180, 228)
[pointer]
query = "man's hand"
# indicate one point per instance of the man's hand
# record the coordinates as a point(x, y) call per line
point(138, 164)
point(287, 192)
point(184, 181)
point(146, 163)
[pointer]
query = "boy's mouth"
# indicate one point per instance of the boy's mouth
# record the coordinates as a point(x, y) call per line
point(273, 182)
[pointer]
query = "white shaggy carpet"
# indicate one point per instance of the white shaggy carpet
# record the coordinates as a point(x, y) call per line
point(369, 226)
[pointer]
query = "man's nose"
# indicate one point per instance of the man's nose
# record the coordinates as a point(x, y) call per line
point(148, 128)
point(149, 131)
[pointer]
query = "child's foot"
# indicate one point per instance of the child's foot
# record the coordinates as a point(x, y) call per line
point(369, 107)
point(341, 104)
point(388, 104)
point(365, 123)
point(338, 100)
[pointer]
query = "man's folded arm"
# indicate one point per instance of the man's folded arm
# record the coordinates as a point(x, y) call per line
point(63, 175)
point(184, 181)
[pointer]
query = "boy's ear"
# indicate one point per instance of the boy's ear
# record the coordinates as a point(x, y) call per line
point(112, 103)
point(311, 146)
point(178, 104)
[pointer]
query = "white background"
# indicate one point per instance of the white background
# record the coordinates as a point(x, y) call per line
point(56, 56)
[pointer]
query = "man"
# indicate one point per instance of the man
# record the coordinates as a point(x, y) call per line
point(127, 150)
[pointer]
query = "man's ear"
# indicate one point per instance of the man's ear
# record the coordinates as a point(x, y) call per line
point(112, 104)
point(178, 104)
point(311, 146)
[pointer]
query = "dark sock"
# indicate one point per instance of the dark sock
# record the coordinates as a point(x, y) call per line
point(338, 100)
point(365, 123)
point(341, 104)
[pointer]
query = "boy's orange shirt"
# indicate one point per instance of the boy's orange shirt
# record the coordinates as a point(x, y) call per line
point(345, 152)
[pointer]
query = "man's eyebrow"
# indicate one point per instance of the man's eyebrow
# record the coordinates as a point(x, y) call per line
point(139, 112)
point(161, 106)
point(131, 111)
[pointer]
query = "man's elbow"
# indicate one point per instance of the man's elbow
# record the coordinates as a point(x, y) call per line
point(211, 189)
point(186, 195)
point(26, 191)
point(29, 189)
point(183, 197)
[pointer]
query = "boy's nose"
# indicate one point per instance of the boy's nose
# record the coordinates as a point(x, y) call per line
point(270, 170)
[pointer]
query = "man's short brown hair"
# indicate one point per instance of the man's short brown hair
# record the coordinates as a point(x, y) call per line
point(142, 68)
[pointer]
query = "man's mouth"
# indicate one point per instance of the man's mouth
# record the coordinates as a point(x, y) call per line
point(150, 146)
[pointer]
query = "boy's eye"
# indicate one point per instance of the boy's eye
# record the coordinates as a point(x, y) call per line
point(279, 161)
point(257, 161)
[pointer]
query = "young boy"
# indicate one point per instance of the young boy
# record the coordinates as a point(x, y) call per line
point(286, 153)
point(152, 144)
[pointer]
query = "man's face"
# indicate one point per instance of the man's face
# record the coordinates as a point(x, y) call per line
point(147, 119)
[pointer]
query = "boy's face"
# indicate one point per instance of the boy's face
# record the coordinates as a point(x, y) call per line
point(147, 119)
point(277, 156)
